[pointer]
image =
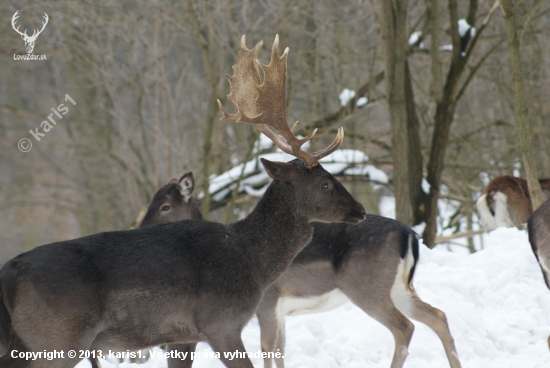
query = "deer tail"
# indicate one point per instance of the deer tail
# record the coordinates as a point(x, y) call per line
point(409, 255)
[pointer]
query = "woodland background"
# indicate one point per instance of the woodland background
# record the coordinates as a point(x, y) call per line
point(146, 76)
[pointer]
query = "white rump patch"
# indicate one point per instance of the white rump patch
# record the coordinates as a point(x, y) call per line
point(291, 305)
point(502, 217)
point(487, 218)
point(400, 292)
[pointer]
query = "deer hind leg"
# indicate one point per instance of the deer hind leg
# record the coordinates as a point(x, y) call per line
point(272, 330)
point(437, 321)
point(382, 309)
point(280, 344)
point(401, 328)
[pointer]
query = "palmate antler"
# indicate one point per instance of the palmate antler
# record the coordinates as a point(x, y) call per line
point(263, 105)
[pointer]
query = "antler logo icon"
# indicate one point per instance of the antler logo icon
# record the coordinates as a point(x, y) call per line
point(29, 40)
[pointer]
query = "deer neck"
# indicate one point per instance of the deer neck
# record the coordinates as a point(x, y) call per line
point(274, 232)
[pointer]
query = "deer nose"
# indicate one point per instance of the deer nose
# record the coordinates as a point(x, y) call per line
point(364, 213)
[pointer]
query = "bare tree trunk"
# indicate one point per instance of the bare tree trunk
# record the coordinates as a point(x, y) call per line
point(524, 129)
point(444, 114)
point(417, 195)
point(205, 42)
point(437, 83)
point(394, 15)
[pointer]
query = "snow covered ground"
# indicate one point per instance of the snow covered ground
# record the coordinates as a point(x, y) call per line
point(496, 302)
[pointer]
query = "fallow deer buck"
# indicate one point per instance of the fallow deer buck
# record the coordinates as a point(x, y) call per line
point(371, 264)
point(173, 202)
point(178, 282)
point(538, 227)
point(505, 202)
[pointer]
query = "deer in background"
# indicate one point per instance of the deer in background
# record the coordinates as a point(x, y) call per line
point(505, 202)
point(538, 227)
point(178, 282)
point(173, 202)
point(371, 264)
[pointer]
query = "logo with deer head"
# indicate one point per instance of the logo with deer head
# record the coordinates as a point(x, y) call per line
point(29, 40)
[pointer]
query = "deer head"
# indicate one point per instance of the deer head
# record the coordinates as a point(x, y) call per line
point(173, 202)
point(262, 103)
point(29, 40)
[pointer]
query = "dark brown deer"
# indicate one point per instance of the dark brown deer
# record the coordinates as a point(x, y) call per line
point(538, 226)
point(371, 264)
point(505, 202)
point(173, 202)
point(179, 282)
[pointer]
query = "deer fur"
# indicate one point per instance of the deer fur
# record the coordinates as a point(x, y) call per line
point(505, 202)
point(538, 227)
point(173, 202)
point(178, 282)
point(371, 264)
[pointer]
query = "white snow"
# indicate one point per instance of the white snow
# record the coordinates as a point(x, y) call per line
point(263, 144)
point(517, 168)
point(463, 27)
point(484, 177)
point(342, 161)
point(425, 185)
point(495, 300)
point(362, 101)
point(347, 94)
point(414, 37)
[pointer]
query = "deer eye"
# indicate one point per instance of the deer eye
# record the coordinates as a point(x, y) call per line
point(165, 207)
point(324, 185)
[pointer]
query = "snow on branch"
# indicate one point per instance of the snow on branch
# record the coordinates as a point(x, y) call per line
point(254, 180)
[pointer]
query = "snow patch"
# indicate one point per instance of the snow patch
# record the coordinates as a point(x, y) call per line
point(255, 179)
point(496, 302)
point(361, 101)
point(463, 27)
point(347, 94)
point(413, 39)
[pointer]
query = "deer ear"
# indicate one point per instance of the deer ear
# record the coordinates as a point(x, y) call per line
point(187, 184)
point(279, 170)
